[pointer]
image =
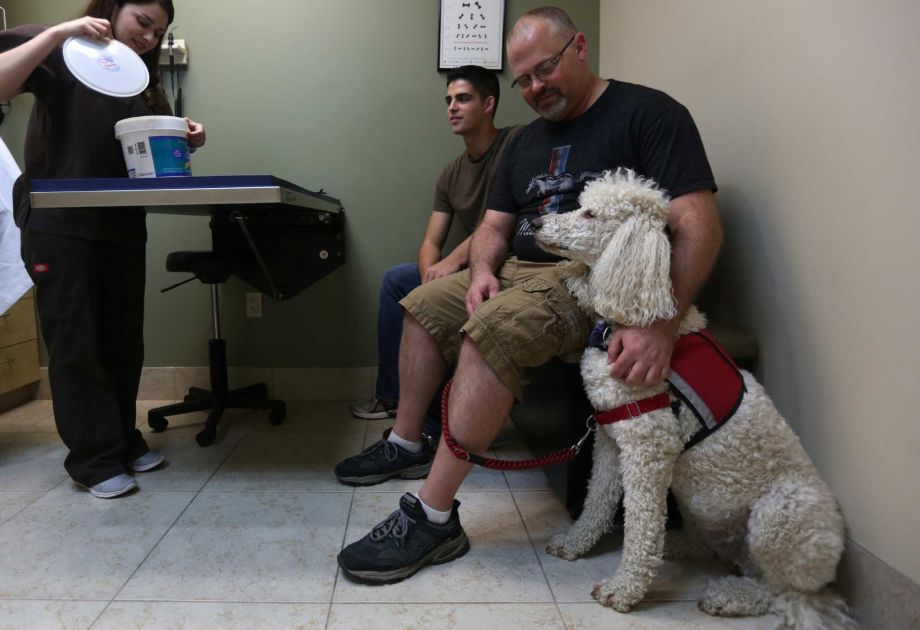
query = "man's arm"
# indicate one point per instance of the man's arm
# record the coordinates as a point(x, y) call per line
point(488, 251)
point(430, 264)
point(642, 355)
point(429, 253)
point(456, 260)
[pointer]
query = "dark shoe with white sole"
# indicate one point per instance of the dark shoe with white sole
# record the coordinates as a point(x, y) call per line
point(402, 544)
point(384, 460)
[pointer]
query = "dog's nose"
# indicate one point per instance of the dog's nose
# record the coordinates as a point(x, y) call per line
point(537, 222)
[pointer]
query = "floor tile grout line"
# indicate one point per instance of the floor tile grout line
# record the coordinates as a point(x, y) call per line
point(43, 494)
point(279, 602)
point(400, 602)
point(141, 563)
point(168, 529)
point(429, 602)
point(351, 505)
point(338, 571)
point(539, 560)
point(52, 599)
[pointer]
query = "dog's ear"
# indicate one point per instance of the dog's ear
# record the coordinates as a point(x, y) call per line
point(632, 278)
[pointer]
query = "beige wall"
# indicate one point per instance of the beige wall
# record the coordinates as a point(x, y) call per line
point(809, 112)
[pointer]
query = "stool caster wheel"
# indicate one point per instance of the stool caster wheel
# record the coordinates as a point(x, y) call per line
point(205, 437)
point(157, 423)
point(276, 416)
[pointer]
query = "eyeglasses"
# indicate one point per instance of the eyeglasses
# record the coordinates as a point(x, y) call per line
point(542, 69)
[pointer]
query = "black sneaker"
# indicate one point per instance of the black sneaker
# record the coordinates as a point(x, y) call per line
point(404, 543)
point(383, 460)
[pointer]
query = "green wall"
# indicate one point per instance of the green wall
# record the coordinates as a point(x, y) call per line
point(335, 94)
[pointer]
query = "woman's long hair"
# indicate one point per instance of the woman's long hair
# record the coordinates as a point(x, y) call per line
point(154, 94)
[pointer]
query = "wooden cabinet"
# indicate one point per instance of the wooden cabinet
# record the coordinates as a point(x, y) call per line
point(18, 345)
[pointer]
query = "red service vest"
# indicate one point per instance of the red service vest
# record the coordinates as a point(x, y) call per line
point(707, 380)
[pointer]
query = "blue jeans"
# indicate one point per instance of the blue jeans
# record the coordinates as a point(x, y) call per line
point(397, 283)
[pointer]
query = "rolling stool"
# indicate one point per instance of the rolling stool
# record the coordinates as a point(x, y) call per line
point(213, 268)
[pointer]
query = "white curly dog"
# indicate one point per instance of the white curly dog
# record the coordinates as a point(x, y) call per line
point(748, 493)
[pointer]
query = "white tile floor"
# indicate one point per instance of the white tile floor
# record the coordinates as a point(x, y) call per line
point(244, 534)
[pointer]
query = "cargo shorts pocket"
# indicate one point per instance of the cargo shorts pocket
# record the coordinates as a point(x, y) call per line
point(536, 285)
point(536, 329)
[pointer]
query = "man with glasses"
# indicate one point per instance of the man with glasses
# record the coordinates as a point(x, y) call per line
point(515, 313)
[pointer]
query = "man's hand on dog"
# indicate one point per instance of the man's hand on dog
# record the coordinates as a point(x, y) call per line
point(641, 356)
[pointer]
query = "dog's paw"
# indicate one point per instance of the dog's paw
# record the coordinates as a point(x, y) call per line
point(618, 594)
point(557, 547)
point(735, 596)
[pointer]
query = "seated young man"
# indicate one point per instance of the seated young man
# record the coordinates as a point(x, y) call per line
point(462, 189)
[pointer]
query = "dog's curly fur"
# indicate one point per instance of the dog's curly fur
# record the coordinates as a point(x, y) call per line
point(748, 493)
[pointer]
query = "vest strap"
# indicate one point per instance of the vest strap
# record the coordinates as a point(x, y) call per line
point(633, 409)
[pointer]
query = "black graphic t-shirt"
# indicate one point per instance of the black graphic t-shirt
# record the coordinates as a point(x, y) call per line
point(547, 164)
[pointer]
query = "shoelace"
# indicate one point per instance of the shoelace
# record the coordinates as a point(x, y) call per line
point(389, 449)
point(395, 525)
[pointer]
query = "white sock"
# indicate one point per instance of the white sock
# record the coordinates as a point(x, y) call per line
point(412, 447)
point(434, 516)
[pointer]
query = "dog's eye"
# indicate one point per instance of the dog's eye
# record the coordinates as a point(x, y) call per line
point(589, 214)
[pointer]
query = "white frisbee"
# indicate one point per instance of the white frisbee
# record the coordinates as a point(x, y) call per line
point(108, 67)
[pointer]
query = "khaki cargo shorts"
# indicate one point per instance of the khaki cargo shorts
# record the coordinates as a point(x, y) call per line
point(532, 320)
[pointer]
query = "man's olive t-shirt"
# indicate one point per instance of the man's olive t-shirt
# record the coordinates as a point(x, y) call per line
point(464, 185)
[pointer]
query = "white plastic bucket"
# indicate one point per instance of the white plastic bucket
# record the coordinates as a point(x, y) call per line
point(154, 146)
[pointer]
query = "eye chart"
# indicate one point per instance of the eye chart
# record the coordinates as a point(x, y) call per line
point(472, 32)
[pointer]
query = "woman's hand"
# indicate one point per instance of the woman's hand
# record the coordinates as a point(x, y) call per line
point(95, 28)
point(18, 63)
point(196, 134)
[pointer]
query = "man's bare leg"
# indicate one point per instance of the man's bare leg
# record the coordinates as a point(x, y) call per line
point(479, 404)
point(421, 370)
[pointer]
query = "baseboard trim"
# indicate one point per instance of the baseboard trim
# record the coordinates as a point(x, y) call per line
point(879, 596)
point(171, 383)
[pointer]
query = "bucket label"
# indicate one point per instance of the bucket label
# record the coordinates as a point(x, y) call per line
point(170, 156)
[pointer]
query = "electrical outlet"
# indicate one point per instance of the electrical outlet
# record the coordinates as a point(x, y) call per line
point(254, 304)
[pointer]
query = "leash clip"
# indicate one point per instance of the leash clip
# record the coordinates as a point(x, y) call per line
point(592, 425)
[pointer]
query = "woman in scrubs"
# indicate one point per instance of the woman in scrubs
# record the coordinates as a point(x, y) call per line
point(88, 264)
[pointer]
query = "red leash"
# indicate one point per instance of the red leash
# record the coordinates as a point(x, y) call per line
point(558, 457)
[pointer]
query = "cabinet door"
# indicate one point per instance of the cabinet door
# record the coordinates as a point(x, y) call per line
point(18, 365)
point(18, 323)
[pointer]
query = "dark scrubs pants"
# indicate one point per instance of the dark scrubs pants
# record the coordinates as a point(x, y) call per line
point(90, 298)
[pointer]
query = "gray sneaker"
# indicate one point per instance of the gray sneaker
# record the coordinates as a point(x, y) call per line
point(374, 409)
point(383, 460)
point(113, 487)
point(148, 461)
